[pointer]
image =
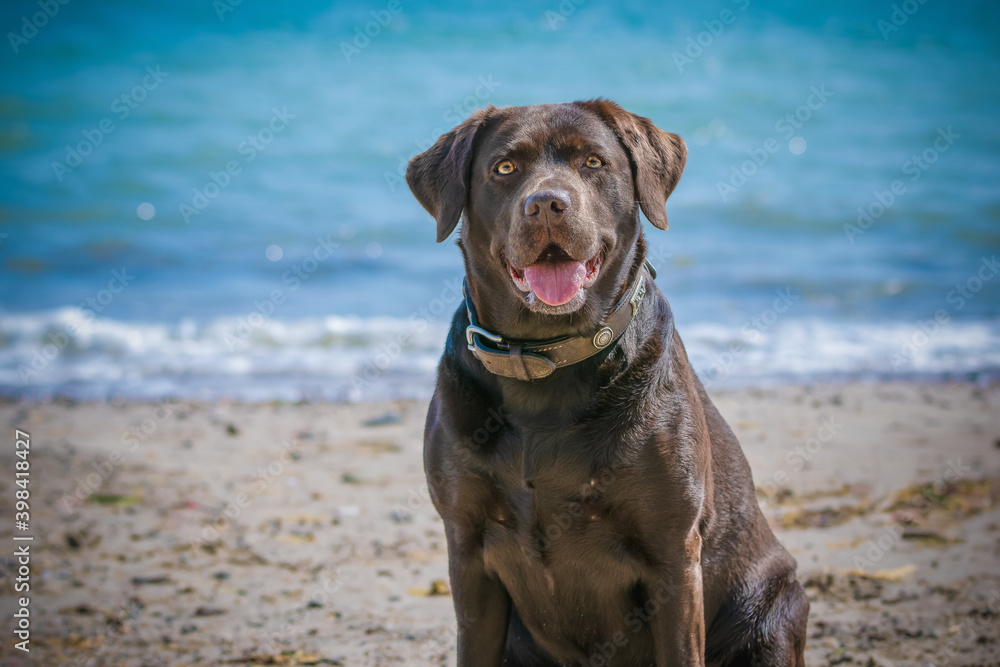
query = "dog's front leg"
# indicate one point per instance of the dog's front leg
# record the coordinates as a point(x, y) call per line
point(482, 604)
point(678, 620)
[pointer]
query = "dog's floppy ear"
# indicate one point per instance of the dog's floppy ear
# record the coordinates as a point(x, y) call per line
point(439, 177)
point(657, 157)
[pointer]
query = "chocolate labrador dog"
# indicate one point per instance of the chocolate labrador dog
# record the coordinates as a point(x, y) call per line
point(598, 509)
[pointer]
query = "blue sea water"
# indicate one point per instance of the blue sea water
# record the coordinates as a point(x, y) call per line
point(239, 165)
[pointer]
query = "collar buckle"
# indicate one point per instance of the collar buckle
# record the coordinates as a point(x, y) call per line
point(472, 330)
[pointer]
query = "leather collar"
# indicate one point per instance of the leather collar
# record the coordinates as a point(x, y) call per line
point(535, 359)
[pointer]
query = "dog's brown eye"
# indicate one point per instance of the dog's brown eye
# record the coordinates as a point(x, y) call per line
point(594, 162)
point(506, 167)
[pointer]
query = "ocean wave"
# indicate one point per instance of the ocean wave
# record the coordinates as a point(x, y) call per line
point(68, 352)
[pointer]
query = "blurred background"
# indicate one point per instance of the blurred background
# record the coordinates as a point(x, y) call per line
point(205, 199)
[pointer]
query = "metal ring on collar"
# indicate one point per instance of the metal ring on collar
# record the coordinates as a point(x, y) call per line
point(603, 337)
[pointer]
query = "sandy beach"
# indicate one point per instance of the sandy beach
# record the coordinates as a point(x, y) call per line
point(209, 201)
point(189, 533)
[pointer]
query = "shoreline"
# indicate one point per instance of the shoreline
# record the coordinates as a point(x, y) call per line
point(341, 357)
point(242, 533)
point(984, 379)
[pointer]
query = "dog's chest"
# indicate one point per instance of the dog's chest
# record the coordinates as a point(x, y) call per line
point(554, 518)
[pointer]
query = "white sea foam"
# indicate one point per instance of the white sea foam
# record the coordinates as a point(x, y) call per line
point(352, 358)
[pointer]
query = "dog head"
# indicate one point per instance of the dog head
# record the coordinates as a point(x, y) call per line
point(551, 196)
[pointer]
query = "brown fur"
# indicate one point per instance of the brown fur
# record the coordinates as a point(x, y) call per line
point(604, 515)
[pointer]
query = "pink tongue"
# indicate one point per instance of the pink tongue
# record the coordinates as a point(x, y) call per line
point(555, 283)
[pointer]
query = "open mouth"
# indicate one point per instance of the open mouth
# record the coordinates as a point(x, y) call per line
point(555, 277)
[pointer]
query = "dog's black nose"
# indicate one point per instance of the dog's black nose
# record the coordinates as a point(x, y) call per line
point(555, 201)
